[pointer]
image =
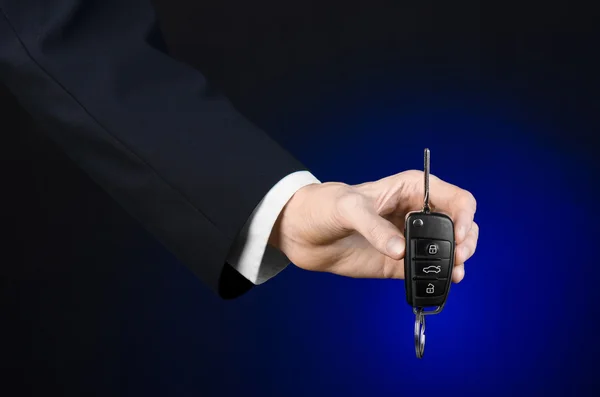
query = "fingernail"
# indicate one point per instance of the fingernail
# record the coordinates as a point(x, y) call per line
point(395, 246)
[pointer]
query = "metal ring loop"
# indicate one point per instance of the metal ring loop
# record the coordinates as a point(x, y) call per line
point(419, 333)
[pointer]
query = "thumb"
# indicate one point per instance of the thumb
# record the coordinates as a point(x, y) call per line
point(382, 234)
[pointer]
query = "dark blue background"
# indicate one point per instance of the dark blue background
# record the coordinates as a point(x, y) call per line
point(505, 98)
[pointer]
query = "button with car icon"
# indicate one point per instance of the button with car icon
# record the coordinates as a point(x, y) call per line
point(432, 269)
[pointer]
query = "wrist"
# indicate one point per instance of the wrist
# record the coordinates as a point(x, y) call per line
point(275, 236)
point(280, 233)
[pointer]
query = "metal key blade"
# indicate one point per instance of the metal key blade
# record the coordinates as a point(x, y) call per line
point(426, 207)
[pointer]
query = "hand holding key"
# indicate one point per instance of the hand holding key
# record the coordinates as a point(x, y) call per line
point(357, 231)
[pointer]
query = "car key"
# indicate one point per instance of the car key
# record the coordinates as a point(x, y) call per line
point(428, 261)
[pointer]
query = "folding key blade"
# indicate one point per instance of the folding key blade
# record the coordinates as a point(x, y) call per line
point(426, 207)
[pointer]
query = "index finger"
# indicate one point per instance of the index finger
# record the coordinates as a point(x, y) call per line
point(458, 203)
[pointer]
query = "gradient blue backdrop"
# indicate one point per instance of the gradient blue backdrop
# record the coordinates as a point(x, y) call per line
point(101, 309)
point(523, 319)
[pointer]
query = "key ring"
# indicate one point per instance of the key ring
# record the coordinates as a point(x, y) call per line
point(420, 314)
point(419, 332)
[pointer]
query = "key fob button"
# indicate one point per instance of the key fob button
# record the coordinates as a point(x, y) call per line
point(433, 249)
point(429, 288)
point(432, 269)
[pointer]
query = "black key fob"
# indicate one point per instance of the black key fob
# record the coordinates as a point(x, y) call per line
point(429, 259)
point(428, 262)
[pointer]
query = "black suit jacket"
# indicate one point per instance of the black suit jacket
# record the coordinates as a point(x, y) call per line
point(147, 128)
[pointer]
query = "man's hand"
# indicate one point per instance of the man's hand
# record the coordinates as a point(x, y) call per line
point(356, 231)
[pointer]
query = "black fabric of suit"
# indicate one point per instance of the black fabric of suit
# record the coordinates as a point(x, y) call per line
point(111, 147)
point(147, 128)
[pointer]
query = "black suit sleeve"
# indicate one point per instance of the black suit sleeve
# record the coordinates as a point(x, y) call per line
point(144, 126)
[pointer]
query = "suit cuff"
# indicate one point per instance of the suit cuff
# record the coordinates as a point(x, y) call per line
point(251, 255)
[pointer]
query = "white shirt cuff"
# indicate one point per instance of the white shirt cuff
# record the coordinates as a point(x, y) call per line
point(250, 254)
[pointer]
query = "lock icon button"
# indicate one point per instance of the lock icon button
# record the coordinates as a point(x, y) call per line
point(430, 288)
point(432, 249)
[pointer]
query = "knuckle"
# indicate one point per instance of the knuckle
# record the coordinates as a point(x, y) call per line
point(411, 182)
point(468, 198)
point(471, 249)
point(472, 242)
point(410, 176)
point(415, 176)
point(350, 201)
point(475, 229)
point(413, 173)
point(347, 204)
